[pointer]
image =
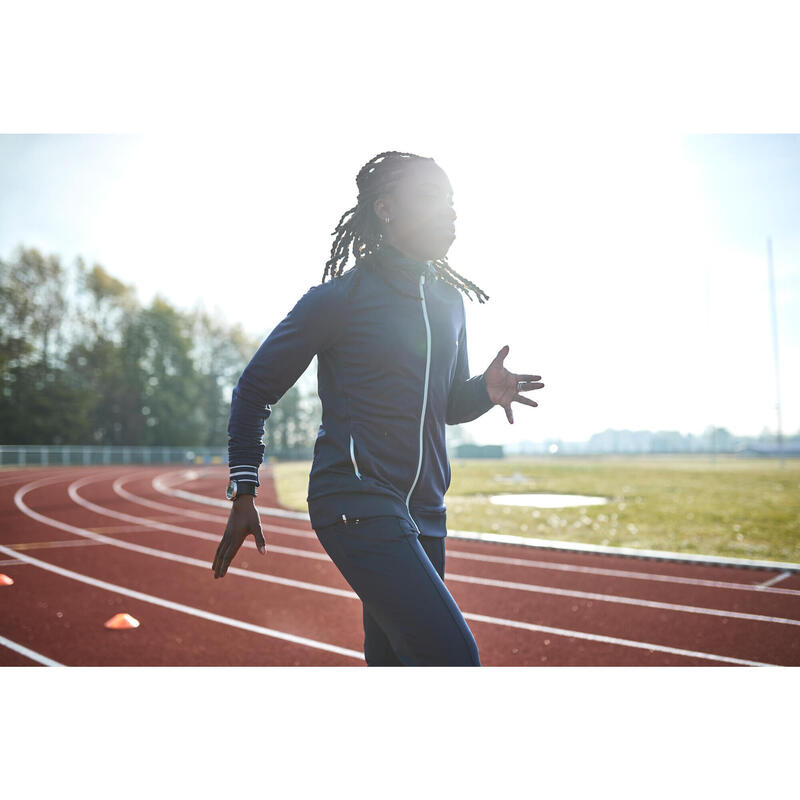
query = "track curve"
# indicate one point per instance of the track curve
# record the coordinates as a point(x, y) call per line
point(82, 544)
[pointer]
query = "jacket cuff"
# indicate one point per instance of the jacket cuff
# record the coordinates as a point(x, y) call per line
point(244, 472)
point(470, 401)
point(482, 398)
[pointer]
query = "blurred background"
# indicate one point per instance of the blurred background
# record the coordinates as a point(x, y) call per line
point(139, 273)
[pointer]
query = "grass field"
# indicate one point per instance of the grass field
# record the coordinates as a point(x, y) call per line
point(746, 508)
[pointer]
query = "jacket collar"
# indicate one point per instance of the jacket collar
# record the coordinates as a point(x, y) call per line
point(401, 272)
point(388, 257)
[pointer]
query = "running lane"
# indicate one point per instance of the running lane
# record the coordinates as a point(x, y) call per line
point(127, 527)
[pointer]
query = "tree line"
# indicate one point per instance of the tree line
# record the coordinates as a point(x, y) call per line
point(82, 361)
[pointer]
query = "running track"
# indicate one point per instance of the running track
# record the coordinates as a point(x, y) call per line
point(85, 543)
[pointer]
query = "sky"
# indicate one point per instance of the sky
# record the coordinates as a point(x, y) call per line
point(624, 252)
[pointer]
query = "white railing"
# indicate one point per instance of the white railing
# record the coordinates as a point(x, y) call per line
point(59, 455)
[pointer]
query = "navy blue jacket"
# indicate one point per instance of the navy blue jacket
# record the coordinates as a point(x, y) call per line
point(392, 370)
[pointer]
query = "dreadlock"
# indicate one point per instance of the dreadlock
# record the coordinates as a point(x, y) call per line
point(358, 230)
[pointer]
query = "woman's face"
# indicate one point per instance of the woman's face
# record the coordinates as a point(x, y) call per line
point(420, 212)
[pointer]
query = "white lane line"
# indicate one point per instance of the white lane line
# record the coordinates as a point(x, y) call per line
point(218, 518)
point(617, 573)
point(613, 640)
point(526, 587)
point(149, 551)
point(775, 580)
point(213, 501)
point(525, 541)
point(190, 610)
point(352, 595)
point(125, 494)
point(181, 531)
point(623, 552)
point(28, 653)
point(158, 485)
point(610, 598)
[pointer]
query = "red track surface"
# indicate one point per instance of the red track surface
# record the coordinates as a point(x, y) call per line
point(525, 606)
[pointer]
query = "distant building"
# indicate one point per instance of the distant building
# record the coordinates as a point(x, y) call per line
point(712, 440)
point(479, 451)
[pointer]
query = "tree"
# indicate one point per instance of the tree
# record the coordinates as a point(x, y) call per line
point(81, 361)
point(38, 400)
point(219, 353)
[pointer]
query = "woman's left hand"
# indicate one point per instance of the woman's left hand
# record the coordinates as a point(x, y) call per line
point(504, 387)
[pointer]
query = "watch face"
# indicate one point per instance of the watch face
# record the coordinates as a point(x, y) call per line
point(230, 491)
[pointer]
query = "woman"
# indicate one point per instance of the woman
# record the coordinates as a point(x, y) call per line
point(390, 339)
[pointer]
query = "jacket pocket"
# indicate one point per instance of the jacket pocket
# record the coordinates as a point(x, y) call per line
point(353, 457)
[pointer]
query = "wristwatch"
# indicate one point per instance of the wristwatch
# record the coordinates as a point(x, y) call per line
point(238, 488)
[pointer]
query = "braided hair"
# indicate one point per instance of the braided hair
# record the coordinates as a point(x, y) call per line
point(359, 232)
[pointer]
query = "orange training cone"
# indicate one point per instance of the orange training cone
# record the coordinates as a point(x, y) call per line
point(121, 622)
point(5, 580)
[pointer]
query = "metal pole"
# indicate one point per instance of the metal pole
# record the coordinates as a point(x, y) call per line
point(775, 346)
point(709, 331)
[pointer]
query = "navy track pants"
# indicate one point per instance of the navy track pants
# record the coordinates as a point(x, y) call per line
point(410, 618)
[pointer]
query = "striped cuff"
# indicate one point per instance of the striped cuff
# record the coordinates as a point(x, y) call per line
point(245, 472)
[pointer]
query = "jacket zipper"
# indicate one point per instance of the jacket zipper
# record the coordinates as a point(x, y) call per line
point(353, 457)
point(424, 395)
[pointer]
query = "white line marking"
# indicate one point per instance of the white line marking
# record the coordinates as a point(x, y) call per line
point(10, 562)
point(351, 595)
point(213, 501)
point(625, 552)
point(551, 565)
point(154, 504)
point(527, 541)
point(190, 610)
point(610, 598)
point(634, 601)
point(149, 551)
point(613, 640)
point(28, 653)
point(775, 580)
point(213, 537)
point(159, 486)
point(614, 573)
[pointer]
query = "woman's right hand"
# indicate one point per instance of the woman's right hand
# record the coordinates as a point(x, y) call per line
point(242, 521)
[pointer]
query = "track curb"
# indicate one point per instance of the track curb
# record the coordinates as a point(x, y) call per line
point(543, 544)
point(627, 552)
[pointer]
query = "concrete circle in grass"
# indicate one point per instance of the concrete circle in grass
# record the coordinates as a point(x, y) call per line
point(541, 500)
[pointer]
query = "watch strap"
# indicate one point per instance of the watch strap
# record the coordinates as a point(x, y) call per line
point(245, 487)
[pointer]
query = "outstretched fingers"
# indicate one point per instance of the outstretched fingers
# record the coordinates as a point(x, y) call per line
point(261, 542)
point(524, 385)
point(219, 558)
point(500, 357)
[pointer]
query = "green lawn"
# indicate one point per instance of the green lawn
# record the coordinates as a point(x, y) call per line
point(746, 508)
